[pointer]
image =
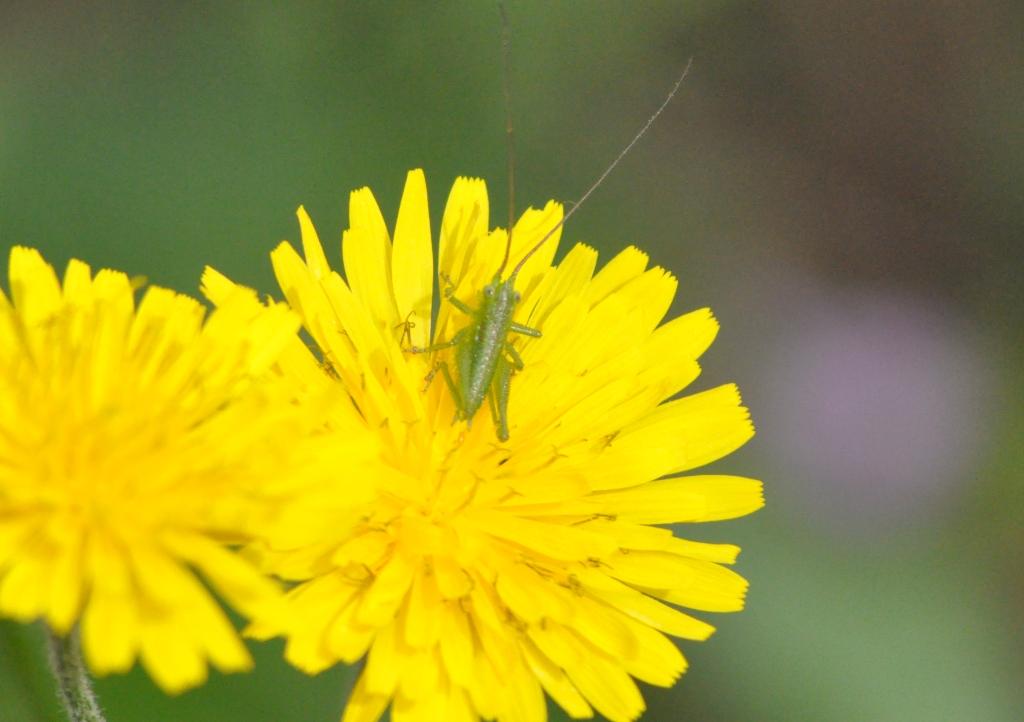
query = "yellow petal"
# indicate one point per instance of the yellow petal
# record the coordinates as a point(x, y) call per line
point(702, 585)
point(413, 261)
point(601, 680)
point(364, 213)
point(23, 589)
point(569, 278)
point(658, 661)
point(627, 265)
point(422, 613)
point(171, 658)
point(525, 697)
point(346, 638)
point(13, 534)
point(382, 599)
point(452, 581)
point(421, 676)
point(531, 228)
point(643, 608)
point(35, 290)
point(464, 223)
point(555, 682)
point(677, 436)
point(457, 645)
point(531, 597)
point(363, 706)
point(385, 663)
point(77, 281)
point(241, 584)
point(554, 540)
point(312, 249)
point(66, 583)
point(684, 499)
point(110, 632)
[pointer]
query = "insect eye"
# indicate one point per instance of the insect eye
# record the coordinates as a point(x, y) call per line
point(517, 296)
point(488, 291)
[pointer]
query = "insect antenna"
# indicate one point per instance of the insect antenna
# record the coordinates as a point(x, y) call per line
point(506, 66)
point(607, 171)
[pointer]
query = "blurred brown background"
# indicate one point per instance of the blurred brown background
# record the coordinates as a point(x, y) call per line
point(841, 182)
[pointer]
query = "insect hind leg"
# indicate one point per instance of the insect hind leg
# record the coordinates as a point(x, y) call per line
point(446, 374)
point(514, 357)
point(498, 396)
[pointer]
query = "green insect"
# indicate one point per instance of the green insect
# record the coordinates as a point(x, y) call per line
point(485, 359)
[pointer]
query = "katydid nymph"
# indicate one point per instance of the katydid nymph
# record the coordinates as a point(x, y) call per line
point(485, 359)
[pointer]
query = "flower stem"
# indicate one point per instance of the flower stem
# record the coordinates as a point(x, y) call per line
point(72, 678)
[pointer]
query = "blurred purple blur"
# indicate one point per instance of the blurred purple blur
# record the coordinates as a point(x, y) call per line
point(880, 403)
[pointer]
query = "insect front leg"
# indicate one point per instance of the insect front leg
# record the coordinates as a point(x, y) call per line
point(449, 295)
point(453, 341)
point(441, 366)
point(407, 326)
point(465, 308)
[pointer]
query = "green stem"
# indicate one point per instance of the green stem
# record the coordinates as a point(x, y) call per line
point(72, 677)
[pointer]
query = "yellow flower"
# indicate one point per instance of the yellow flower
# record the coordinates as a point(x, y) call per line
point(480, 574)
point(131, 440)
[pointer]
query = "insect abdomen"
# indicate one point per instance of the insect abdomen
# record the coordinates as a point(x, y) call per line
point(495, 321)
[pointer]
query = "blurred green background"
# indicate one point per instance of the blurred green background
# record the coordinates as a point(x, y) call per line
point(841, 182)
